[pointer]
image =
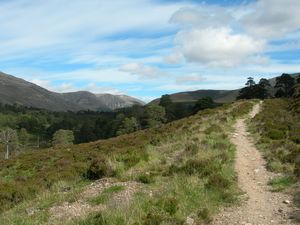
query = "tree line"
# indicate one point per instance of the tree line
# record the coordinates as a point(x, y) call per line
point(284, 87)
point(24, 128)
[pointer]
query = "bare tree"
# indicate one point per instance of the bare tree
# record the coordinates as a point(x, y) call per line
point(7, 137)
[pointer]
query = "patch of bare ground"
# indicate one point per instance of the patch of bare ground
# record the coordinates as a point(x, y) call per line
point(260, 206)
point(67, 211)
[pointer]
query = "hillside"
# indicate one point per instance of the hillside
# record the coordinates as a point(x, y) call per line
point(14, 90)
point(163, 174)
point(219, 96)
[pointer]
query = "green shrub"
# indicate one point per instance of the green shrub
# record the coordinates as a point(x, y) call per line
point(204, 214)
point(276, 134)
point(214, 128)
point(217, 180)
point(131, 158)
point(168, 204)
point(146, 178)
point(191, 148)
point(295, 134)
point(203, 167)
point(281, 183)
point(297, 166)
point(99, 168)
point(158, 217)
point(94, 219)
point(275, 166)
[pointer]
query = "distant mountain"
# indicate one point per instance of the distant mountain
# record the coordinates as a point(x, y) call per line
point(219, 96)
point(100, 102)
point(14, 90)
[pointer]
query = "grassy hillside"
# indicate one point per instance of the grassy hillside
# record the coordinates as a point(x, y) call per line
point(277, 131)
point(278, 126)
point(174, 171)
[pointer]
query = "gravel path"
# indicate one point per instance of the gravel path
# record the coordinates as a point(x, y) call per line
point(261, 207)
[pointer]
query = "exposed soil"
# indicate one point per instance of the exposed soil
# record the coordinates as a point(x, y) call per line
point(67, 211)
point(260, 206)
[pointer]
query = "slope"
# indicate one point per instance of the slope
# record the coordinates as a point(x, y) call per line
point(178, 172)
point(18, 91)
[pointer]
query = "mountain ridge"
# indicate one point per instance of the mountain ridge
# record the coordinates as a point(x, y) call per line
point(219, 96)
point(14, 90)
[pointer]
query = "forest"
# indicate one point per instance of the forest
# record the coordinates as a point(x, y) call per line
point(29, 128)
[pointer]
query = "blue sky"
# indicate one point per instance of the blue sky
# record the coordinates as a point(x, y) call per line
point(146, 48)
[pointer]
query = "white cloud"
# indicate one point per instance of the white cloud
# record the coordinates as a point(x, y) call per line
point(96, 75)
point(272, 18)
point(217, 46)
point(93, 87)
point(31, 27)
point(208, 16)
point(174, 58)
point(43, 83)
point(194, 78)
point(142, 71)
point(71, 87)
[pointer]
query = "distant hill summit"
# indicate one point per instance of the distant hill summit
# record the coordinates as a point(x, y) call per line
point(219, 96)
point(14, 90)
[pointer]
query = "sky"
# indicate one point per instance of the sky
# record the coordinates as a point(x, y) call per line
point(146, 48)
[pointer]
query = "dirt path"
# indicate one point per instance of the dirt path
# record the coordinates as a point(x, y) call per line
point(261, 206)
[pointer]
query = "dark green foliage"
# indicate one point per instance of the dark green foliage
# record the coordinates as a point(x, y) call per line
point(128, 125)
point(255, 91)
point(276, 134)
point(250, 82)
point(168, 204)
point(204, 214)
point(63, 138)
point(158, 217)
point(163, 212)
point(285, 84)
point(204, 103)
point(146, 178)
point(165, 101)
point(99, 168)
point(297, 166)
point(154, 115)
point(94, 219)
point(218, 180)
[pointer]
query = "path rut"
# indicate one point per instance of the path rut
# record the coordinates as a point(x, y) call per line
point(261, 207)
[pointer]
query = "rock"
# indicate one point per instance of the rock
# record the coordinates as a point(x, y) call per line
point(190, 221)
point(245, 223)
point(30, 211)
point(66, 189)
point(291, 217)
point(280, 210)
point(256, 170)
point(287, 202)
